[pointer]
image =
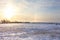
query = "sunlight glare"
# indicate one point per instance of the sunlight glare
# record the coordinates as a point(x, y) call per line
point(9, 11)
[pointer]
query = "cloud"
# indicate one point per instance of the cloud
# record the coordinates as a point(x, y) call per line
point(40, 8)
point(3, 3)
point(38, 4)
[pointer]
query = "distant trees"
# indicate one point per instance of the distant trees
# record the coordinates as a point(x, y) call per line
point(8, 21)
point(5, 21)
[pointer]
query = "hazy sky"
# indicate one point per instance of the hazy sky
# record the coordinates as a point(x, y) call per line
point(33, 10)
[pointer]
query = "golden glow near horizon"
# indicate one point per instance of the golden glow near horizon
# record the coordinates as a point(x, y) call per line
point(9, 11)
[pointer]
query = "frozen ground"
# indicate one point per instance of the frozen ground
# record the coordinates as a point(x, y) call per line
point(29, 32)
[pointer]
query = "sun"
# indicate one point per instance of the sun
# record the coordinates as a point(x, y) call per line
point(9, 11)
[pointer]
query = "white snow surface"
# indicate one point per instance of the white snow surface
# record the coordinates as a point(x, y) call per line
point(29, 31)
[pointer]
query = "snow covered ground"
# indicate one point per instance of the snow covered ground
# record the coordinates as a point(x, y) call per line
point(29, 32)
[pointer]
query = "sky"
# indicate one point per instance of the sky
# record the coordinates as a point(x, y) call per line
point(32, 10)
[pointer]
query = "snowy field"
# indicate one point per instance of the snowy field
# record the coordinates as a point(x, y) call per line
point(29, 31)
